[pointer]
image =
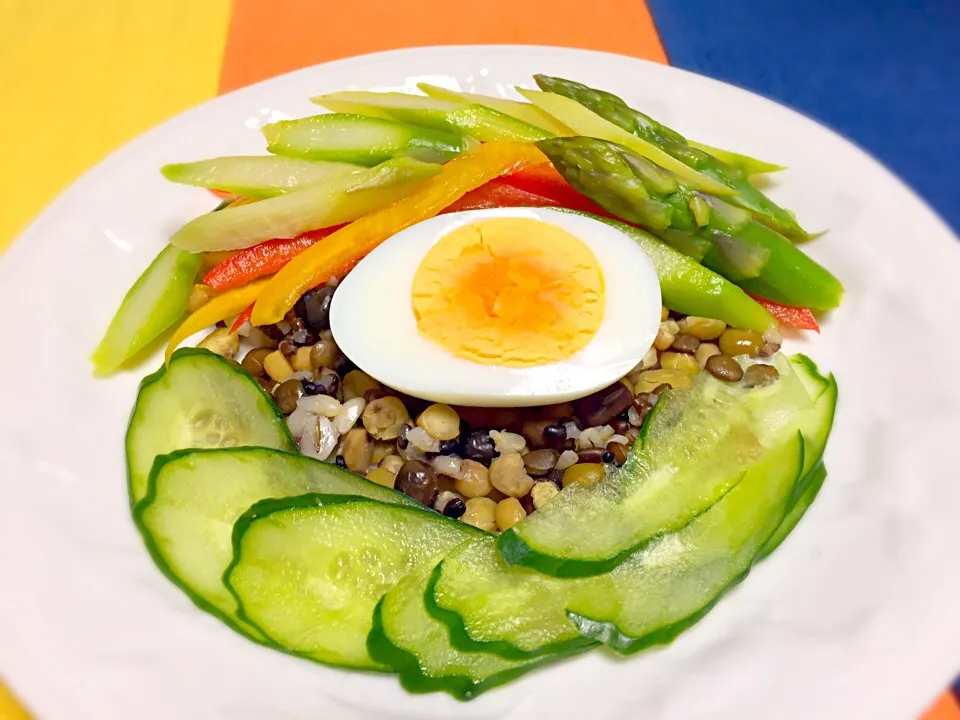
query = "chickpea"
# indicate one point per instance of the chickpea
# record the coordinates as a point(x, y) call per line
point(509, 476)
point(382, 476)
point(508, 513)
point(481, 513)
point(440, 421)
point(583, 474)
point(357, 450)
point(475, 481)
point(385, 418)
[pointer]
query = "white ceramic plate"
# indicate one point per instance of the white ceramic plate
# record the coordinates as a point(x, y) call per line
point(855, 617)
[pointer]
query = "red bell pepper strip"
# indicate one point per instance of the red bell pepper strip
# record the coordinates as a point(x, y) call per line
point(798, 317)
point(241, 319)
point(265, 258)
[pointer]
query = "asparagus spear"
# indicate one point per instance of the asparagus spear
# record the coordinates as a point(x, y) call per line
point(745, 251)
point(612, 108)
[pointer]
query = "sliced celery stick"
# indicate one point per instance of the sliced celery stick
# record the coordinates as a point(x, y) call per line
point(751, 166)
point(257, 176)
point(361, 140)
point(525, 111)
point(585, 122)
point(333, 202)
point(155, 302)
point(479, 121)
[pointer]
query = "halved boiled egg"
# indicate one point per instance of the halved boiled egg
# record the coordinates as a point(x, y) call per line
point(505, 307)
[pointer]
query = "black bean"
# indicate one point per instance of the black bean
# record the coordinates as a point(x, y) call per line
point(449, 447)
point(620, 425)
point(455, 508)
point(607, 456)
point(314, 308)
point(327, 383)
point(625, 415)
point(341, 462)
point(555, 436)
point(418, 480)
point(725, 368)
point(602, 406)
point(555, 476)
point(310, 388)
point(478, 445)
point(760, 375)
point(345, 367)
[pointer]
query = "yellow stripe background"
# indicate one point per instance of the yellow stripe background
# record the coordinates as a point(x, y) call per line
point(80, 78)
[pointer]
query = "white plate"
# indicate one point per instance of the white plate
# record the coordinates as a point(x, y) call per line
point(856, 616)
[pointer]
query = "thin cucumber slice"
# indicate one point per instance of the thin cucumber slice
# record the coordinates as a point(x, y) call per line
point(156, 301)
point(807, 490)
point(517, 612)
point(416, 646)
point(453, 116)
point(696, 448)
point(308, 571)
point(194, 498)
point(352, 138)
point(258, 176)
point(518, 109)
point(677, 580)
point(815, 426)
point(334, 201)
point(198, 400)
point(586, 122)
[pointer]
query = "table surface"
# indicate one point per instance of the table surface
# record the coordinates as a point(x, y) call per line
point(80, 79)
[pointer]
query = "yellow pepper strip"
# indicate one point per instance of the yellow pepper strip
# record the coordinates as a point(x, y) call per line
point(219, 308)
point(347, 245)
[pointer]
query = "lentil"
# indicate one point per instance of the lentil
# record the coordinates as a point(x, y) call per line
point(540, 462)
point(685, 344)
point(724, 367)
point(276, 366)
point(680, 361)
point(392, 464)
point(533, 431)
point(705, 352)
point(356, 383)
point(323, 354)
point(481, 513)
point(619, 451)
point(735, 341)
point(508, 513)
point(382, 476)
point(449, 447)
point(385, 418)
point(583, 475)
point(650, 380)
point(508, 475)
point(474, 480)
point(759, 375)
point(440, 421)
point(287, 394)
point(542, 493)
point(702, 328)
point(418, 480)
point(253, 361)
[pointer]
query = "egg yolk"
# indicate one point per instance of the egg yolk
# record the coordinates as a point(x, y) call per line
point(516, 292)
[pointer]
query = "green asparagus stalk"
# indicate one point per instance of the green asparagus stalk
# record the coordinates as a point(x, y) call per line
point(741, 249)
point(612, 108)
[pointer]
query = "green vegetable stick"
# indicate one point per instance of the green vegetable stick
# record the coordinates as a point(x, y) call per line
point(612, 108)
point(750, 253)
point(525, 111)
point(156, 301)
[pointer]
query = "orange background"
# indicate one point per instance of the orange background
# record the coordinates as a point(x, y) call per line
point(86, 77)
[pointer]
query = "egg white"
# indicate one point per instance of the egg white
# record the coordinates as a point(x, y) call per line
point(372, 320)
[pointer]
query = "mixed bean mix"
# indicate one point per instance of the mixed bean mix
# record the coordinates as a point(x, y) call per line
point(489, 467)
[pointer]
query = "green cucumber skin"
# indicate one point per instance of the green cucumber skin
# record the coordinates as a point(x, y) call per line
point(461, 640)
point(269, 506)
point(808, 490)
point(413, 680)
point(180, 355)
point(623, 643)
point(166, 309)
point(160, 560)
